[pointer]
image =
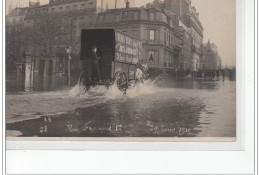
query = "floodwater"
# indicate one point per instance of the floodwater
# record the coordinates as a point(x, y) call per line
point(184, 108)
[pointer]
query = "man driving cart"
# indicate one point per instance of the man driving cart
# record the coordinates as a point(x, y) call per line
point(120, 55)
point(95, 64)
point(90, 67)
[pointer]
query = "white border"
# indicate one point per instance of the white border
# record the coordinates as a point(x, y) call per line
point(190, 162)
point(156, 143)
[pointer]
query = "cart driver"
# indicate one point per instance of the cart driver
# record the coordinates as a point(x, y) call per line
point(95, 64)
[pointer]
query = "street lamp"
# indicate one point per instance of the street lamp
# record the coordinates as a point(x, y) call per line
point(68, 51)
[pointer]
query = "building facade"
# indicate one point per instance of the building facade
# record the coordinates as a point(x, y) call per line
point(79, 14)
point(160, 36)
point(170, 31)
point(191, 28)
point(210, 57)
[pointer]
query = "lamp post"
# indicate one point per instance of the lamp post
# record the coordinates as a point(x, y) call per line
point(68, 51)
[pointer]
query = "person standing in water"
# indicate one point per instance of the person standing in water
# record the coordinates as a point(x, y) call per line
point(95, 63)
point(223, 74)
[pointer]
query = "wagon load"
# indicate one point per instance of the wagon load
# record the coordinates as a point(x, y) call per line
point(120, 55)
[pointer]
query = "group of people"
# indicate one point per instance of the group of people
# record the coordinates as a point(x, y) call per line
point(207, 75)
point(212, 74)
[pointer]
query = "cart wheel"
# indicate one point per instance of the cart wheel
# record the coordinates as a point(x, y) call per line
point(121, 81)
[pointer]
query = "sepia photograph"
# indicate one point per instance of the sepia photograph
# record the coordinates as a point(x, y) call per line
point(120, 69)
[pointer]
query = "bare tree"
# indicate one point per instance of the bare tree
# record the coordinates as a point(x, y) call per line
point(15, 49)
point(48, 35)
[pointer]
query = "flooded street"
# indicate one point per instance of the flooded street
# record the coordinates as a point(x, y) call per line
point(184, 108)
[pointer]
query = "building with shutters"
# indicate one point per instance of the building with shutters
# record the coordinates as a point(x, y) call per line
point(210, 57)
point(157, 29)
point(164, 43)
point(79, 14)
point(191, 27)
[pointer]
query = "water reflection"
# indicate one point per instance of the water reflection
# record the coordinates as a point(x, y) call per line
point(31, 81)
point(183, 108)
point(138, 117)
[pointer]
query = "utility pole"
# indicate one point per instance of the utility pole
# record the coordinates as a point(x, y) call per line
point(68, 51)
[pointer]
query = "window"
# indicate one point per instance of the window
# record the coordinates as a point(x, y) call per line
point(135, 33)
point(109, 17)
point(150, 55)
point(75, 6)
point(146, 34)
point(117, 17)
point(101, 18)
point(90, 4)
point(61, 8)
point(165, 37)
point(53, 9)
point(83, 6)
point(169, 40)
point(152, 35)
point(45, 10)
point(151, 16)
point(136, 15)
point(37, 11)
point(124, 16)
point(67, 7)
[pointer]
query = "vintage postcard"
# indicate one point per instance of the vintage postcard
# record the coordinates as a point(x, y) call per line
point(120, 69)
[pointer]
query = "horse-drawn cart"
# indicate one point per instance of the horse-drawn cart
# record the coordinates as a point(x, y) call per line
point(120, 56)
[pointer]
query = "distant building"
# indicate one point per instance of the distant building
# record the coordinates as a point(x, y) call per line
point(79, 14)
point(169, 29)
point(159, 33)
point(16, 17)
point(210, 58)
point(98, 5)
point(193, 29)
point(14, 47)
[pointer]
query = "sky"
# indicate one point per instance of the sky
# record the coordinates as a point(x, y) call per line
point(218, 17)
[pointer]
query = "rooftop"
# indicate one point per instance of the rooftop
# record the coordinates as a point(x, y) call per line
point(17, 12)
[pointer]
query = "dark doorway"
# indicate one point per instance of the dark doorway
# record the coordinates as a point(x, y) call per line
point(41, 68)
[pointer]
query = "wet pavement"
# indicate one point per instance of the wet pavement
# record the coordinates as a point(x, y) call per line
point(184, 108)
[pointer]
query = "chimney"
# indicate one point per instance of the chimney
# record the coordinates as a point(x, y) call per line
point(51, 2)
point(127, 4)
